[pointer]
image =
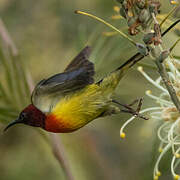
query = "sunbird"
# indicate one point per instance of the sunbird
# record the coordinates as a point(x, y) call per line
point(68, 101)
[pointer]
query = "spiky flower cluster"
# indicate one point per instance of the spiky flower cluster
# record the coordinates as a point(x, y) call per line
point(138, 13)
point(165, 114)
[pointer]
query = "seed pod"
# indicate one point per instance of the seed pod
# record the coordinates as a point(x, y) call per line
point(133, 29)
point(131, 21)
point(137, 10)
point(123, 12)
point(144, 16)
point(149, 38)
point(153, 8)
point(120, 1)
point(147, 25)
point(141, 3)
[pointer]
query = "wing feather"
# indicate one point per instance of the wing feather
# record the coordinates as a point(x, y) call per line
point(78, 74)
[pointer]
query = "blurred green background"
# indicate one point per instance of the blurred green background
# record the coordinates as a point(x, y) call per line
point(48, 35)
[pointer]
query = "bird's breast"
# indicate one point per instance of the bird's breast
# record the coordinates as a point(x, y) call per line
point(58, 124)
point(75, 111)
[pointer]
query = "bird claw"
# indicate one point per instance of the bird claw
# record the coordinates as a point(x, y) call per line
point(129, 109)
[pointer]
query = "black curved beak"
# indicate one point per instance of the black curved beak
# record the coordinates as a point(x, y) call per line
point(17, 121)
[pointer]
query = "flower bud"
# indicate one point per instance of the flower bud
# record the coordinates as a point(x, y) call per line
point(163, 55)
point(155, 52)
point(148, 38)
point(123, 12)
point(120, 1)
point(140, 4)
point(142, 49)
point(131, 21)
point(144, 16)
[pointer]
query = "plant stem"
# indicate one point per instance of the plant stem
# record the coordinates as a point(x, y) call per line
point(59, 153)
point(163, 73)
point(168, 84)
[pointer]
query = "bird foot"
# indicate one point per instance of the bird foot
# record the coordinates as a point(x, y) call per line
point(129, 109)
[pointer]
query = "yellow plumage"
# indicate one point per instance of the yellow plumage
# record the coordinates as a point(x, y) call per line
point(79, 108)
point(67, 101)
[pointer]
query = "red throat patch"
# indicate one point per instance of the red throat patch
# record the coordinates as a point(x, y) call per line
point(33, 116)
point(56, 125)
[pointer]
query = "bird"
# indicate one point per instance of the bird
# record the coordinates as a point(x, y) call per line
point(67, 101)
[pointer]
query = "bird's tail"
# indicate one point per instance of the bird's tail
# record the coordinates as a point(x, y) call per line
point(110, 82)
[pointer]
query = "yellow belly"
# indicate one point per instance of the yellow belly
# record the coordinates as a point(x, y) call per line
point(76, 110)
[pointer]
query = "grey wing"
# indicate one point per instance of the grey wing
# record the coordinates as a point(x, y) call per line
point(80, 60)
point(78, 74)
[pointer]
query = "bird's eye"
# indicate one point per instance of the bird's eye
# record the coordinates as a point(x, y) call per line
point(22, 116)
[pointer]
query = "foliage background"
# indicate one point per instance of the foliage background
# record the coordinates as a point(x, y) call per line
point(48, 35)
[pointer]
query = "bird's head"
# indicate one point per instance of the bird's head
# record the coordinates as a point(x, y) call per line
point(30, 116)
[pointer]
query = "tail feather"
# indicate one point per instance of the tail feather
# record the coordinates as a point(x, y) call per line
point(131, 62)
point(110, 82)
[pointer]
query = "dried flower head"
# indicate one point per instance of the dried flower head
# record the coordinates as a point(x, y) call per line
point(138, 13)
